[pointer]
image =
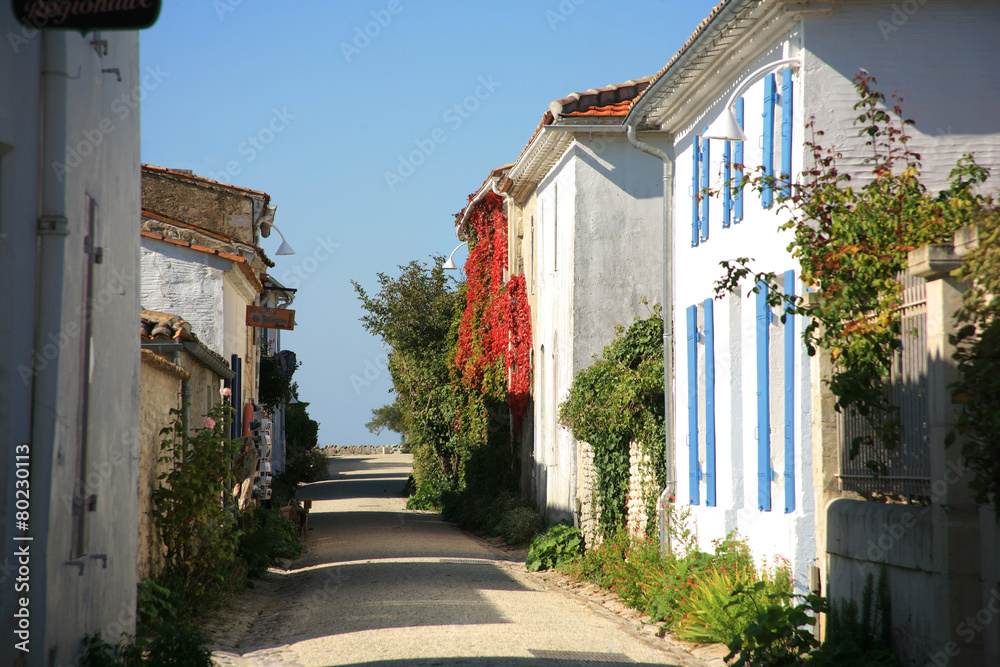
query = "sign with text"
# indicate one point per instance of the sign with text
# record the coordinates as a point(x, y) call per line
point(270, 318)
point(87, 15)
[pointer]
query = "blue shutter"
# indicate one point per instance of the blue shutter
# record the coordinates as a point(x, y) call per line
point(236, 399)
point(763, 401)
point(789, 398)
point(738, 159)
point(786, 133)
point(767, 193)
point(704, 183)
point(727, 187)
point(692, 344)
point(709, 404)
point(696, 155)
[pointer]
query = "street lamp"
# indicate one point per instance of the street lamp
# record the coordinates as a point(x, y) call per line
point(284, 248)
point(450, 264)
point(725, 126)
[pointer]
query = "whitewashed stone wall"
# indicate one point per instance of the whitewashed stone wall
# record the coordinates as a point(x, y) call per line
point(642, 485)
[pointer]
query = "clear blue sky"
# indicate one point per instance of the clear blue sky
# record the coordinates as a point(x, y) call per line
point(295, 99)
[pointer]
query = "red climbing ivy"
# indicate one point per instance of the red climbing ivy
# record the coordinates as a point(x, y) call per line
point(494, 337)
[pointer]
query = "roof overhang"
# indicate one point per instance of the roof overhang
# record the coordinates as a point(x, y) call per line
point(717, 56)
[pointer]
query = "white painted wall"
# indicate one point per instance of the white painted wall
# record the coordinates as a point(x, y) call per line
point(769, 533)
point(103, 132)
point(598, 253)
point(188, 283)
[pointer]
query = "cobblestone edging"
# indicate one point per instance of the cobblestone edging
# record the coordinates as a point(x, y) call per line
point(362, 450)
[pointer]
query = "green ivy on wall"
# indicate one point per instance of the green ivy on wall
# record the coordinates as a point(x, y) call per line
point(618, 400)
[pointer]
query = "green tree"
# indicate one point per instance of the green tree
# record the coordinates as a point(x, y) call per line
point(413, 313)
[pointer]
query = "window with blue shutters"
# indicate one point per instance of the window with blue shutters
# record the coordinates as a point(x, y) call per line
point(738, 159)
point(705, 163)
point(709, 336)
point(695, 221)
point(789, 336)
point(763, 400)
point(767, 192)
point(727, 187)
point(786, 133)
point(692, 356)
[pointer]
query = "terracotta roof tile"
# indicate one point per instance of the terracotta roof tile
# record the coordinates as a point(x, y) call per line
point(618, 109)
point(153, 359)
point(211, 233)
point(579, 103)
point(157, 326)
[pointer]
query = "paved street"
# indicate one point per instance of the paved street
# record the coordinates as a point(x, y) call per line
point(379, 585)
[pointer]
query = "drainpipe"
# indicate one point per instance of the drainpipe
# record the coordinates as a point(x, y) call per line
point(52, 230)
point(668, 323)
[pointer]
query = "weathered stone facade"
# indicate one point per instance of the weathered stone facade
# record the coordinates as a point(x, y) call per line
point(220, 207)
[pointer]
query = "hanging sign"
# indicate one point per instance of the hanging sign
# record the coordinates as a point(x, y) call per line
point(270, 318)
point(87, 15)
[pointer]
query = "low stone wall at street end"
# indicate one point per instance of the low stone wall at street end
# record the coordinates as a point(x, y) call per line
point(361, 450)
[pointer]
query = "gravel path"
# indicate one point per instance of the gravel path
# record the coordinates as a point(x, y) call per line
point(380, 585)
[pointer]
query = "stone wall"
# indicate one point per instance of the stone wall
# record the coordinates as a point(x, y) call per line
point(201, 204)
point(160, 390)
point(361, 450)
point(641, 487)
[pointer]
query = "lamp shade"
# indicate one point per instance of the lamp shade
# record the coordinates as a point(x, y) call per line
point(725, 127)
point(450, 263)
point(284, 249)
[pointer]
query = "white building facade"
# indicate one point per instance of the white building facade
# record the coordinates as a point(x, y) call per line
point(750, 451)
point(585, 213)
point(69, 365)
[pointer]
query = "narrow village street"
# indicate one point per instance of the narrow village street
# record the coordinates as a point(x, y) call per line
point(380, 585)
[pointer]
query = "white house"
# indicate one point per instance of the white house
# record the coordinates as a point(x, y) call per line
point(210, 280)
point(586, 230)
point(751, 439)
point(69, 363)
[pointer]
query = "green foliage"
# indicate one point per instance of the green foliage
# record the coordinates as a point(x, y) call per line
point(710, 613)
point(781, 632)
point(267, 538)
point(305, 461)
point(978, 356)
point(519, 525)
point(274, 387)
point(851, 242)
point(415, 314)
point(193, 510)
point(618, 400)
point(154, 607)
point(175, 646)
point(779, 635)
point(559, 545)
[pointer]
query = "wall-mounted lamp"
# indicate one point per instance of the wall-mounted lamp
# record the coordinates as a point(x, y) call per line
point(450, 264)
point(725, 126)
point(284, 248)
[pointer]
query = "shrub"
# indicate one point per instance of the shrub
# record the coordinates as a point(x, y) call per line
point(519, 525)
point(560, 545)
point(267, 538)
point(175, 646)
